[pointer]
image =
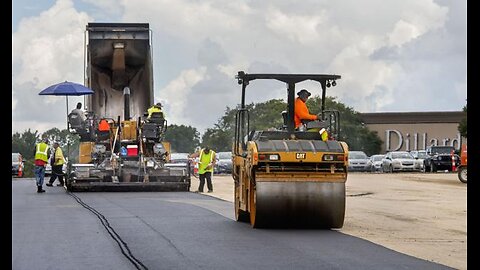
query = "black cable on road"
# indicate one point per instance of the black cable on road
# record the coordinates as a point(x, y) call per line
point(123, 246)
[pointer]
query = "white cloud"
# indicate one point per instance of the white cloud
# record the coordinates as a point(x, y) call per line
point(392, 57)
point(174, 96)
point(297, 28)
point(46, 49)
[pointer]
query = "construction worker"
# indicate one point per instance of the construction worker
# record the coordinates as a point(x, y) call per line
point(103, 129)
point(301, 110)
point(206, 163)
point(79, 113)
point(57, 166)
point(155, 108)
point(42, 154)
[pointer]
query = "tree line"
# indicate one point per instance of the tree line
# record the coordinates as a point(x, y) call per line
point(263, 115)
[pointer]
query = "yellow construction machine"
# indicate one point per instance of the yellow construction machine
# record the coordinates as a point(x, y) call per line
point(287, 177)
point(128, 155)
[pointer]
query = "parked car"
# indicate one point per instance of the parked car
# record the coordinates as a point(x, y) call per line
point(440, 158)
point(180, 160)
point(17, 165)
point(48, 168)
point(420, 155)
point(400, 161)
point(224, 163)
point(357, 161)
point(374, 163)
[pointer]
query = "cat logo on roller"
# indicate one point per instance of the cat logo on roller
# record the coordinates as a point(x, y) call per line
point(301, 155)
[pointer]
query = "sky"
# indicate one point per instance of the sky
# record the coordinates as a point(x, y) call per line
point(392, 56)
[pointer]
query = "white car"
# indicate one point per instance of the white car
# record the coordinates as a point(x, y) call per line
point(17, 165)
point(375, 163)
point(400, 161)
point(180, 160)
point(357, 161)
point(420, 155)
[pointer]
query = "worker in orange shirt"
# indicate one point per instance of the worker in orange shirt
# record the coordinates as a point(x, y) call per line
point(103, 132)
point(301, 110)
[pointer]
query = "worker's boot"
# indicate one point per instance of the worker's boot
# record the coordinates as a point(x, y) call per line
point(40, 189)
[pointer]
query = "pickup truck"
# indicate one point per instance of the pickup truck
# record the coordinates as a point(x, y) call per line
point(440, 158)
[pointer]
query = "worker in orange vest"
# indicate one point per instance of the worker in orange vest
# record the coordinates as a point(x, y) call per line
point(103, 129)
point(103, 125)
point(301, 110)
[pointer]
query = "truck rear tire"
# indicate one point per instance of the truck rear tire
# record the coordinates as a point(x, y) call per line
point(462, 174)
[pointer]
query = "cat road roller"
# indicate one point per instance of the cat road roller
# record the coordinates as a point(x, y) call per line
point(288, 177)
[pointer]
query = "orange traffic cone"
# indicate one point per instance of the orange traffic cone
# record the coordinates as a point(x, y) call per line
point(454, 168)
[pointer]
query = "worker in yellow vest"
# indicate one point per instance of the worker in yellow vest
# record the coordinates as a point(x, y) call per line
point(154, 109)
point(42, 154)
point(57, 167)
point(206, 163)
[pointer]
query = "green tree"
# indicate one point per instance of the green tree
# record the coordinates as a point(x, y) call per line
point(267, 115)
point(262, 116)
point(462, 126)
point(352, 130)
point(183, 139)
point(24, 144)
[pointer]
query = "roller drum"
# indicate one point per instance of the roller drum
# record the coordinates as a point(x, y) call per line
point(296, 203)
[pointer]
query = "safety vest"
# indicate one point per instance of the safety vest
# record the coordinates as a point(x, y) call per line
point(103, 125)
point(41, 152)
point(323, 134)
point(152, 110)
point(204, 160)
point(58, 155)
point(301, 112)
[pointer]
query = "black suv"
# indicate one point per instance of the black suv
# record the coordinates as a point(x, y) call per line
point(440, 158)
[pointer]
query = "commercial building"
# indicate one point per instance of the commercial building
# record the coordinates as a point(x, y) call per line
point(409, 131)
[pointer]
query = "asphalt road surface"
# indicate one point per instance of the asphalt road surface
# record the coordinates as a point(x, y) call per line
point(172, 230)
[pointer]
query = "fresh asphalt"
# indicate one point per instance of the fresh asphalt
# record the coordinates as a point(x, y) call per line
point(172, 230)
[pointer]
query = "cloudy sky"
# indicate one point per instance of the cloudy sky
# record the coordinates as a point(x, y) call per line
point(393, 56)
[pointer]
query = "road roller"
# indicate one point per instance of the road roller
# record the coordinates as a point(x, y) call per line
point(288, 176)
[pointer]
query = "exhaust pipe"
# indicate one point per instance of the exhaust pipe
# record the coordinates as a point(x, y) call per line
point(126, 98)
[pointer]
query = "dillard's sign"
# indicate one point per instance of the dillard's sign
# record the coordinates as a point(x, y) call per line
point(412, 142)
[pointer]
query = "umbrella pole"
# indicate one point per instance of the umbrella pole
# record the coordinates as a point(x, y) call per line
point(66, 98)
point(68, 141)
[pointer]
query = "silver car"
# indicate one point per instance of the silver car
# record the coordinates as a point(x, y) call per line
point(400, 161)
point(17, 165)
point(375, 163)
point(224, 162)
point(420, 155)
point(357, 161)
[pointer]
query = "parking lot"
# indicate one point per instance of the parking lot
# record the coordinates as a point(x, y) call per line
point(419, 214)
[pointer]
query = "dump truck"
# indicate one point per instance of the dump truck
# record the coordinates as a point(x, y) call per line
point(130, 153)
point(289, 176)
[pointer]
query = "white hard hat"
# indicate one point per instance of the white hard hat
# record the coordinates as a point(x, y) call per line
point(322, 130)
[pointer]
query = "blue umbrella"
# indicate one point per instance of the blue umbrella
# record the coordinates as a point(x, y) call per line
point(66, 89)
